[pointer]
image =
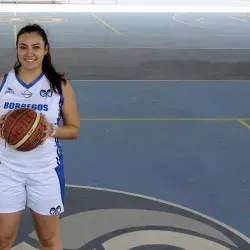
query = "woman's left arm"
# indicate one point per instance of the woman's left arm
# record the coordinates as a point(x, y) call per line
point(70, 116)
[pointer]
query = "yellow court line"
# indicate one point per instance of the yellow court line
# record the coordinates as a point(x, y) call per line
point(244, 123)
point(164, 119)
point(109, 26)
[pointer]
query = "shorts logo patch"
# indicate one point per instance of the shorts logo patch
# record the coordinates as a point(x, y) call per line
point(54, 211)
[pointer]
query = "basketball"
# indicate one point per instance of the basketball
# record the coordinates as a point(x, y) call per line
point(23, 129)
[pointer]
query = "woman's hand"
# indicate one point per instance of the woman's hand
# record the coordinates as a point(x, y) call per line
point(49, 129)
point(2, 118)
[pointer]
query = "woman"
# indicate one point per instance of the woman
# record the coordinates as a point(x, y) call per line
point(35, 178)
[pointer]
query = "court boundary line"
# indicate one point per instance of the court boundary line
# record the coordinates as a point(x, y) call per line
point(174, 17)
point(106, 24)
point(242, 120)
point(245, 124)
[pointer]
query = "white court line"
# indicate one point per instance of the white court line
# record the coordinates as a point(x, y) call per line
point(194, 25)
point(25, 246)
point(216, 19)
point(240, 19)
point(168, 203)
point(132, 240)
point(199, 20)
point(234, 17)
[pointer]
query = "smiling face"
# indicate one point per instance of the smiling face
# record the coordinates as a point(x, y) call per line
point(31, 50)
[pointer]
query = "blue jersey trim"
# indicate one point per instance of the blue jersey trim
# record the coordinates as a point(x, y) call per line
point(58, 144)
point(27, 86)
point(59, 169)
point(61, 99)
point(61, 177)
point(4, 81)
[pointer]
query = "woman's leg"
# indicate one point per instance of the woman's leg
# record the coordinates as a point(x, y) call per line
point(12, 204)
point(45, 197)
point(9, 224)
point(47, 230)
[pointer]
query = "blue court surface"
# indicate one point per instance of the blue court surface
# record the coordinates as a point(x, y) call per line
point(160, 164)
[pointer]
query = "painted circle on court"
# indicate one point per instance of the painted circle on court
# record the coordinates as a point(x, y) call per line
point(104, 219)
point(30, 19)
point(231, 24)
point(224, 24)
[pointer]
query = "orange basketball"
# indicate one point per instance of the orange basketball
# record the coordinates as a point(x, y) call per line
point(23, 129)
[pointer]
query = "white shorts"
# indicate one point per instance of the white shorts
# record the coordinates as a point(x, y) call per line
point(43, 193)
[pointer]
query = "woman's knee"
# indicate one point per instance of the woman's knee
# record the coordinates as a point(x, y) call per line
point(7, 240)
point(9, 224)
point(50, 242)
point(48, 231)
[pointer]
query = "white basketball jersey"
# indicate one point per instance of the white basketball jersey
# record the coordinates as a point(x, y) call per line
point(40, 97)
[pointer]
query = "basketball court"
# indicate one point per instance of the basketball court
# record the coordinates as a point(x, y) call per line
point(162, 159)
